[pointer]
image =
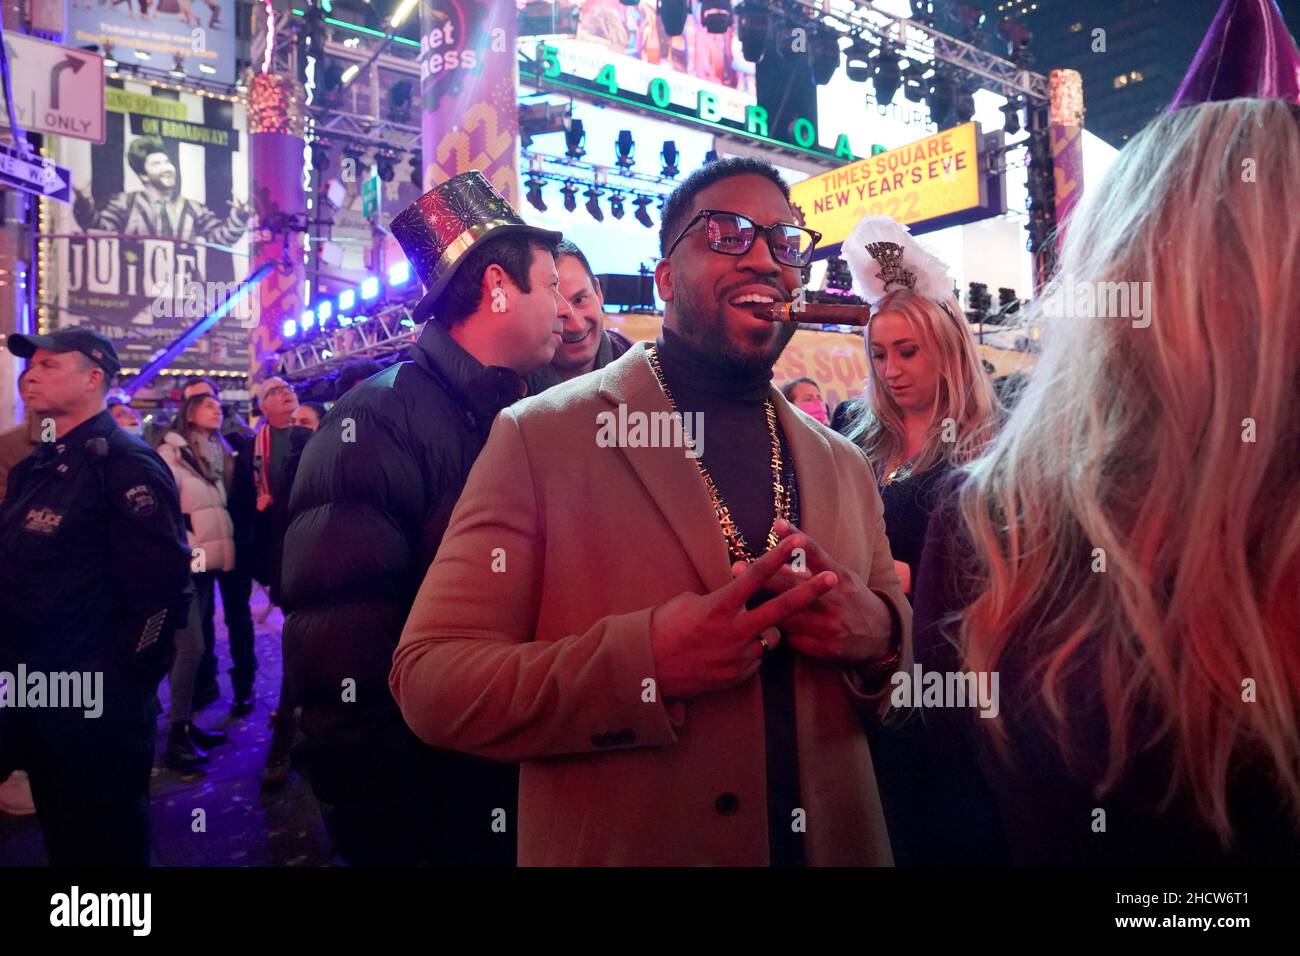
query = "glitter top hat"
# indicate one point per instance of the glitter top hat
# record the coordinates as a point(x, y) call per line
point(439, 229)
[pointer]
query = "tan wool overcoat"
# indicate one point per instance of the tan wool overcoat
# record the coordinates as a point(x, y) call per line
point(529, 642)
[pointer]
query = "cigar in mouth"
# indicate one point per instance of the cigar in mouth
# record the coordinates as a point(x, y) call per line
point(816, 313)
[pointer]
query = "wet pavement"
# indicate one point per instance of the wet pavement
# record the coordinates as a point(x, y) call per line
point(243, 825)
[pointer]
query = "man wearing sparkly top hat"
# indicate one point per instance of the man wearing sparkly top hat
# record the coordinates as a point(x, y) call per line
point(370, 503)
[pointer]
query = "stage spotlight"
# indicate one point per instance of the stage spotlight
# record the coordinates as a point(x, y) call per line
point(369, 287)
point(915, 83)
point(673, 13)
point(887, 75)
point(715, 15)
point(307, 320)
point(417, 170)
point(399, 101)
point(923, 12)
point(320, 158)
point(1017, 37)
point(1011, 110)
point(289, 328)
point(535, 194)
point(384, 164)
point(669, 157)
point(857, 60)
point(710, 157)
point(575, 137)
point(570, 192)
point(824, 54)
point(616, 205)
point(399, 273)
point(963, 104)
point(641, 215)
point(347, 299)
point(940, 98)
point(971, 19)
point(593, 204)
point(625, 150)
point(331, 79)
point(754, 23)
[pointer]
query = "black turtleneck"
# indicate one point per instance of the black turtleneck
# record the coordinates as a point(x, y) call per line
point(737, 450)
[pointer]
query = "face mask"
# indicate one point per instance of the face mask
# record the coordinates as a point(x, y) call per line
point(817, 410)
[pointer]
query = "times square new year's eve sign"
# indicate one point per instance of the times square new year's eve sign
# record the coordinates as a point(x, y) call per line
point(929, 184)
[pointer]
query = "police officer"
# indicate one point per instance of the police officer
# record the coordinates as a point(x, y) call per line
point(94, 576)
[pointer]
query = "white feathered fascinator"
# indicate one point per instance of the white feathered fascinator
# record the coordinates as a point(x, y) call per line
point(883, 255)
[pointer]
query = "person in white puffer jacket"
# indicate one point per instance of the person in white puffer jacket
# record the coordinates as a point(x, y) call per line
point(202, 464)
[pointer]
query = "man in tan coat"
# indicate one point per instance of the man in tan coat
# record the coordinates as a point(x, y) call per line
point(596, 612)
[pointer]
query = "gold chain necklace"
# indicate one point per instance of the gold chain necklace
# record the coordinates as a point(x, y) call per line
point(781, 491)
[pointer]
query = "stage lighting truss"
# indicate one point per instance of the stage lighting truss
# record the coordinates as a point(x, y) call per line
point(918, 39)
point(383, 333)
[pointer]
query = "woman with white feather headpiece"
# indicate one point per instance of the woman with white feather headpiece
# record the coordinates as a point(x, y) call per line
point(928, 406)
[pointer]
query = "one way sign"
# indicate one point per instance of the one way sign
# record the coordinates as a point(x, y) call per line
point(34, 174)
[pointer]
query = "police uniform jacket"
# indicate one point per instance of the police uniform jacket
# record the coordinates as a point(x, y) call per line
point(93, 555)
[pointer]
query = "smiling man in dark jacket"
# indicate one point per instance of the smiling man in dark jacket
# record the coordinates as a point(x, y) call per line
point(372, 499)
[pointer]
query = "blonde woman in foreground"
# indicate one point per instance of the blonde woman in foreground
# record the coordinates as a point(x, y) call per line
point(1126, 557)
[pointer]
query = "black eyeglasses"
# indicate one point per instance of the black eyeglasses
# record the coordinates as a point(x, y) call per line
point(732, 234)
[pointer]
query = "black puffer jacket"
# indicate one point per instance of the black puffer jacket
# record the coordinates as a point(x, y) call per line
point(372, 499)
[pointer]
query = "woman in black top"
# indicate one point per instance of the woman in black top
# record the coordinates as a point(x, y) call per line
point(928, 404)
point(928, 407)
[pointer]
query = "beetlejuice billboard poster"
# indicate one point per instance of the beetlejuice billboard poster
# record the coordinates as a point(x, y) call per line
point(157, 234)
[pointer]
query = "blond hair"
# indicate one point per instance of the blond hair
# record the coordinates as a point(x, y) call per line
point(1136, 525)
point(964, 396)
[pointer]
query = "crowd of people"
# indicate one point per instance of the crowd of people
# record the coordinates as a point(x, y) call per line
point(508, 643)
